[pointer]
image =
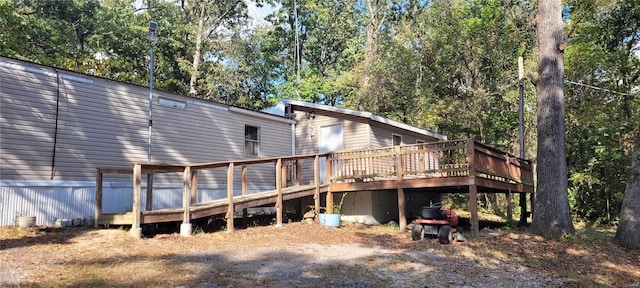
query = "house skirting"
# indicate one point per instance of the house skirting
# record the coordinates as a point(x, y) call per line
point(53, 200)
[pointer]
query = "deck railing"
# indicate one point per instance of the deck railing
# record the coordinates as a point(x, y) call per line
point(446, 159)
point(428, 160)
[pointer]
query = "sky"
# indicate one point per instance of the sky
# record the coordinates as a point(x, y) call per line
point(258, 14)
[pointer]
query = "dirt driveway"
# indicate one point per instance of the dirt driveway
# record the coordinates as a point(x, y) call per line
point(303, 255)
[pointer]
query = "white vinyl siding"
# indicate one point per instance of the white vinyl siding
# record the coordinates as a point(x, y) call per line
point(381, 136)
point(105, 123)
point(355, 133)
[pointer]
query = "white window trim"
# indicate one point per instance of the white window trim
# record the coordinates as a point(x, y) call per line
point(259, 141)
point(393, 136)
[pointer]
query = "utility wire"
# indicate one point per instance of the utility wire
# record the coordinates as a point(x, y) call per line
point(597, 88)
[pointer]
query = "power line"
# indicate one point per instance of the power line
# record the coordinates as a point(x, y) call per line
point(597, 88)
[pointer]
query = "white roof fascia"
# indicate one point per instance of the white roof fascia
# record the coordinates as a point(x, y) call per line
point(330, 108)
point(261, 115)
point(368, 115)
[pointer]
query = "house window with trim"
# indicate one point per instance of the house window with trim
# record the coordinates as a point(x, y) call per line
point(251, 140)
point(396, 140)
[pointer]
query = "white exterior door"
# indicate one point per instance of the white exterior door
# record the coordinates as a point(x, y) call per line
point(330, 138)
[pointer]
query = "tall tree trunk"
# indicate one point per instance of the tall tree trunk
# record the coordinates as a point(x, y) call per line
point(552, 216)
point(197, 54)
point(376, 18)
point(629, 226)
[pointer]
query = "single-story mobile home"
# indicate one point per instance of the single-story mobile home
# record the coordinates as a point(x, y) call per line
point(57, 127)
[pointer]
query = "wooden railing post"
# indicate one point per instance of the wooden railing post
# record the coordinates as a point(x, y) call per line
point(283, 175)
point(136, 231)
point(279, 191)
point(399, 162)
point(316, 182)
point(98, 210)
point(230, 206)
point(244, 191)
point(194, 186)
point(185, 227)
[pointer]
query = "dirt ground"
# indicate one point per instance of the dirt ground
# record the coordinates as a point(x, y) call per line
point(310, 255)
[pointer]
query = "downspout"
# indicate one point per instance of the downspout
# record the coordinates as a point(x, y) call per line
point(55, 131)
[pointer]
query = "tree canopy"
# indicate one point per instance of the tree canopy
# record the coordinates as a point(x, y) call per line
point(444, 65)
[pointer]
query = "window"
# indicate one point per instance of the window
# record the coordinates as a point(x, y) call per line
point(251, 140)
point(396, 140)
point(172, 103)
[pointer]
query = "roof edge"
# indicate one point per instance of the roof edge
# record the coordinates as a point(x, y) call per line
point(368, 115)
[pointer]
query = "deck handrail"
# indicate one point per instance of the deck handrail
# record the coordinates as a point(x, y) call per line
point(464, 159)
point(436, 159)
point(286, 167)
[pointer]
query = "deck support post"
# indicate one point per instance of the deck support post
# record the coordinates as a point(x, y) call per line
point(329, 201)
point(532, 198)
point(279, 191)
point(401, 210)
point(523, 208)
point(509, 208)
point(185, 227)
point(316, 182)
point(473, 188)
point(136, 231)
point(230, 206)
point(473, 208)
point(98, 210)
point(149, 201)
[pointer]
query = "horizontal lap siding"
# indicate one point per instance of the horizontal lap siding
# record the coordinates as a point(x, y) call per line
point(355, 134)
point(104, 123)
point(381, 135)
point(27, 123)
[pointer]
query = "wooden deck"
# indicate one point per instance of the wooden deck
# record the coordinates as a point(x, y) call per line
point(458, 165)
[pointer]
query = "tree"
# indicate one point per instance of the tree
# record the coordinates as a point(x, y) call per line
point(326, 31)
point(211, 17)
point(552, 215)
point(629, 226)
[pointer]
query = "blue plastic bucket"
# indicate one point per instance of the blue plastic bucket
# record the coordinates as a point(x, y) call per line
point(331, 220)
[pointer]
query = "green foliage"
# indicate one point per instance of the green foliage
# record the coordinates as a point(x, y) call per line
point(337, 208)
point(601, 122)
point(447, 66)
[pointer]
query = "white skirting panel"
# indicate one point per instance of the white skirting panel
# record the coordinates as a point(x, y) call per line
point(52, 200)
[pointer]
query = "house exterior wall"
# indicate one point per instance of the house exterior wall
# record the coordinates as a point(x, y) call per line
point(57, 127)
point(355, 133)
point(385, 205)
point(381, 136)
point(359, 133)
